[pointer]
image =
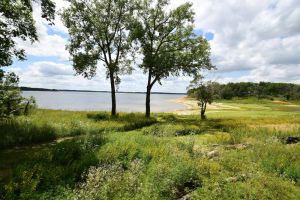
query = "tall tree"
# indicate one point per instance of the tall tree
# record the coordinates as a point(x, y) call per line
point(98, 32)
point(16, 21)
point(168, 44)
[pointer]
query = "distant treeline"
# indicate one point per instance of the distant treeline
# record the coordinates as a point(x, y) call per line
point(65, 90)
point(260, 90)
point(36, 89)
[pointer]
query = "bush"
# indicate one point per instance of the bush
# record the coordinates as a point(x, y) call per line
point(161, 130)
point(11, 101)
point(171, 179)
point(111, 181)
point(53, 169)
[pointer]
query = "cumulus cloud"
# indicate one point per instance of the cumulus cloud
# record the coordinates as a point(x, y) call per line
point(53, 75)
point(50, 43)
point(252, 35)
point(46, 69)
point(252, 40)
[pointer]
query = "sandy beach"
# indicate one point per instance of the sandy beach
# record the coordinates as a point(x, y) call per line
point(193, 108)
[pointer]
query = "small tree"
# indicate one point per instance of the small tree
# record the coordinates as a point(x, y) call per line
point(205, 93)
point(11, 101)
point(168, 44)
point(98, 33)
point(16, 21)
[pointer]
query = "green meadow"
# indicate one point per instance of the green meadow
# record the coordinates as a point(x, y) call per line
point(239, 152)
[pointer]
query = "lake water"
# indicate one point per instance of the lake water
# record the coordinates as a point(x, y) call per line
point(126, 102)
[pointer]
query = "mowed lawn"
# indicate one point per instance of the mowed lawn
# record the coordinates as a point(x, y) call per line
point(239, 152)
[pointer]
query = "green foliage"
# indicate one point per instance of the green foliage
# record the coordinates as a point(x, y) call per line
point(11, 101)
point(167, 40)
point(97, 32)
point(17, 22)
point(286, 91)
point(205, 93)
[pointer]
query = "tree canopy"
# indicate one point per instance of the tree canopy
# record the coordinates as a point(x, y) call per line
point(16, 21)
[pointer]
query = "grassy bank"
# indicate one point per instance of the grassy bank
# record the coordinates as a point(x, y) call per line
point(238, 153)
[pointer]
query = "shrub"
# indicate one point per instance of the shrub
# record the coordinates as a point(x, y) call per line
point(111, 181)
point(59, 166)
point(11, 101)
point(161, 130)
point(171, 179)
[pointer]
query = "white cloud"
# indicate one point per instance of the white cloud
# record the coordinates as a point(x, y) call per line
point(260, 39)
point(49, 44)
point(58, 76)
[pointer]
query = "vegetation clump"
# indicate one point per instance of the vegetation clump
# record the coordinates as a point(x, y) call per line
point(11, 101)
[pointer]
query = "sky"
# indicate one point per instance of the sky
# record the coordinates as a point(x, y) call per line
point(251, 40)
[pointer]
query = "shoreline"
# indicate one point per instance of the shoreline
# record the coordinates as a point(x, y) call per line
point(192, 107)
point(190, 104)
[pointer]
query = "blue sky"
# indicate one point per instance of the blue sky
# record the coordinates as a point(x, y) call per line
point(251, 40)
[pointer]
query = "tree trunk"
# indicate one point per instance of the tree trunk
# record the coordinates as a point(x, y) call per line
point(26, 108)
point(148, 93)
point(203, 114)
point(113, 94)
point(148, 101)
point(203, 109)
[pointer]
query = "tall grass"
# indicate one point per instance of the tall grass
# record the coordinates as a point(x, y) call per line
point(57, 124)
point(167, 157)
point(24, 132)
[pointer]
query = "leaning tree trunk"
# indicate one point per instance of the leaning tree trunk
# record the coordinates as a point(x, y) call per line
point(113, 94)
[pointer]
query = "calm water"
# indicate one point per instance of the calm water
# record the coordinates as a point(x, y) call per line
point(126, 102)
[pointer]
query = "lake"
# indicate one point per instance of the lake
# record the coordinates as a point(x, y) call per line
point(91, 101)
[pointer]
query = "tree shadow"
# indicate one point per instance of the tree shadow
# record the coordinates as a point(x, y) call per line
point(129, 121)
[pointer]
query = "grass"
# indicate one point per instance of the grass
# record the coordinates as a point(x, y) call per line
point(235, 154)
point(48, 125)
